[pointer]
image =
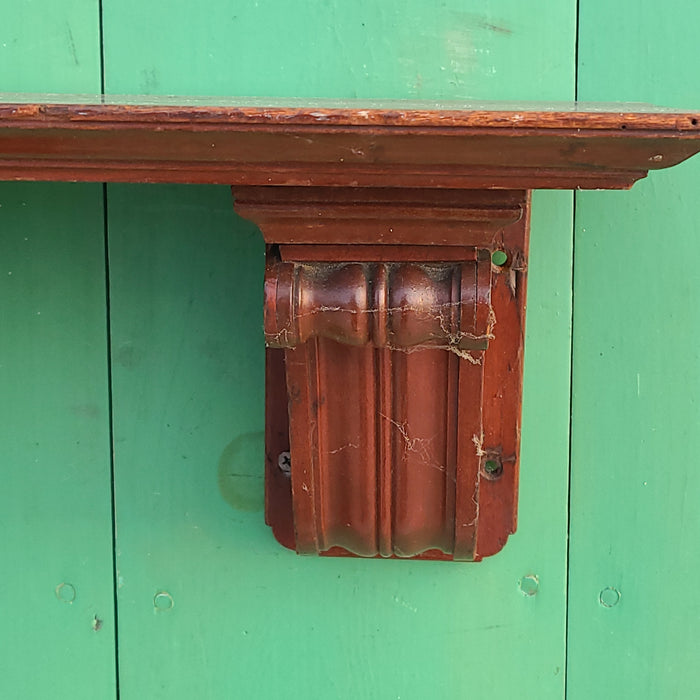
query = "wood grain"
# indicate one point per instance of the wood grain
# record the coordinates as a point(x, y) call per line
point(400, 147)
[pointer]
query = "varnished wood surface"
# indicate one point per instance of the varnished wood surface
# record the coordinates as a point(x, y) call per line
point(427, 348)
point(396, 144)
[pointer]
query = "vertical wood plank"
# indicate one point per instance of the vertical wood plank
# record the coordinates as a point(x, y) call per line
point(56, 579)
point(249, 618)
point(634, 558)
point(56, 592)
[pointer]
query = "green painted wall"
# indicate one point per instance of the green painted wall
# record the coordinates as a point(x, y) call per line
point(635, 489)
point(56, 562)
point(150, 336)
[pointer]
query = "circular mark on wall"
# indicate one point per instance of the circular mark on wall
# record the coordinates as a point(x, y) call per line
point(529, 585)
point(65, 592)
point(163, 601)
point(609, 597)
point(241, 472)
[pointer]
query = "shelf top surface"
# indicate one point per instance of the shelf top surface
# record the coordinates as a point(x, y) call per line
point(16, 108)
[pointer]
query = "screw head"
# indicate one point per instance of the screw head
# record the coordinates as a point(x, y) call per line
point(492, 468)
point(284, 462)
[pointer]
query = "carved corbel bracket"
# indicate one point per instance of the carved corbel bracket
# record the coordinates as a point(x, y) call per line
point(393, 371)
point(394, 288)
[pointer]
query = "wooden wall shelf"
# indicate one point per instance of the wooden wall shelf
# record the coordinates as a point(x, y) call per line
point(394, 289)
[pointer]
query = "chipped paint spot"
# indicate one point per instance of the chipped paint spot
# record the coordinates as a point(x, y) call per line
point(461, 52)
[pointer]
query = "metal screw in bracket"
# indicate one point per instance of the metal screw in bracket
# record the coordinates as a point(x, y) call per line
point(284, 462)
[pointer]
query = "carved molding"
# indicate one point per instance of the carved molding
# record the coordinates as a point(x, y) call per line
point(399, 306)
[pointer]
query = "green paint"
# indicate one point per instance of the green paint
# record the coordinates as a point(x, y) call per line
point(633, 607)
point(209, 605)
point(188, 299)
point(50, 46)
point(454, 49)
point(492, 467)
point(55, 502)
point(499, 257)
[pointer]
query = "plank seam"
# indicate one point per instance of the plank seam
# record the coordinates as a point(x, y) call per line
point(571, 375)
point(110, 410)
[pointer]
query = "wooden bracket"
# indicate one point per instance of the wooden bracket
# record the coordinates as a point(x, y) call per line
point(393, 371)
point(394, 287)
